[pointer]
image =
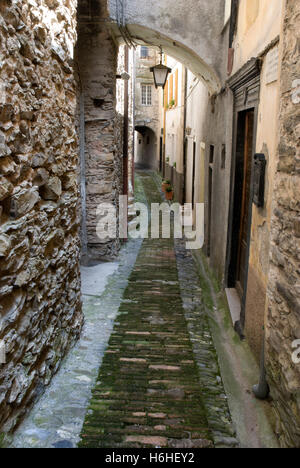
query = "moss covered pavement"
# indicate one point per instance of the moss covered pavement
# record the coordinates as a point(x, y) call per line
point(148, 393)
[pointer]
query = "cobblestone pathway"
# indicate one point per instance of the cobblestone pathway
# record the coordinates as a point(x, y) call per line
point(149, 392)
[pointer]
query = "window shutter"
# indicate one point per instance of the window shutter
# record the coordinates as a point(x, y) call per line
point(166, 93)
point(176, 88)
point(171, 91)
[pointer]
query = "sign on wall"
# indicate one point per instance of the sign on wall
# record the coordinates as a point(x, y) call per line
point(272, 65)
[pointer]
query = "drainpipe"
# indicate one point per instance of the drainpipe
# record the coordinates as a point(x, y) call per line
point(126, 128)
point(262, 390)
point(82, 175)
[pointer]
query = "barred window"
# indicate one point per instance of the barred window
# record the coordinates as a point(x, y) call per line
point(146, 95)
point(144, 52)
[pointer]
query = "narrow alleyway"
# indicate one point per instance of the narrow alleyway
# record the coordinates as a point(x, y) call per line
point(150, 391)
point(148, 327)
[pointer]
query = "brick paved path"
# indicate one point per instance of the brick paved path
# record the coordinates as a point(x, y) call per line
point(148, 392)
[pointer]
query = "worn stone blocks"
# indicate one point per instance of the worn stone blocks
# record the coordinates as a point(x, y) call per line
point(40, 305)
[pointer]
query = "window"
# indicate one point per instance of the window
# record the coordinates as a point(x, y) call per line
point(144, 52)
point(146, 95)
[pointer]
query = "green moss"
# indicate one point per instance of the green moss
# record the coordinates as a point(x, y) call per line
point(123, 388)
point(4, 440)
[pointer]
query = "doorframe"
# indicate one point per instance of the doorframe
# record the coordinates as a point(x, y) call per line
point(245, 85)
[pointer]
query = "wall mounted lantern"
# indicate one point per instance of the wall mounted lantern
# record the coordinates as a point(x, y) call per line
point(160, 73)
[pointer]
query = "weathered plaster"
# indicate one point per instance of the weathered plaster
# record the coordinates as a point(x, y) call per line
point(197, 46)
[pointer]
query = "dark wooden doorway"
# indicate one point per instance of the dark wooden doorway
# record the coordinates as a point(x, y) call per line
point(240, 240)
point(161, 155)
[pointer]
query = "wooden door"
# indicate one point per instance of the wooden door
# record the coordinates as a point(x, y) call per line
point(243, 238)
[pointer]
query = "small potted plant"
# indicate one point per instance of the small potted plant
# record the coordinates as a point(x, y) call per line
point(169, 193)
point(166, 183)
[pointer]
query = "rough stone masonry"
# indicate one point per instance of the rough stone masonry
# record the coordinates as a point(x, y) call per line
point(284, 280)
point(97, 58)
point(40, 308)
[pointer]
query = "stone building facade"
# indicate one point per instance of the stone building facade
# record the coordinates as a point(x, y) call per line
point(174, 126)
point(147, 136)
point(283, 308)
point(40, 305)
point(102, 147)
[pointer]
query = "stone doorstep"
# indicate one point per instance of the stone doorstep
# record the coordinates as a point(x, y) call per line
point(234, 304)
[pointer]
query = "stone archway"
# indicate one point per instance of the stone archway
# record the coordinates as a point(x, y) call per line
point(198, 47)
point(145, 148)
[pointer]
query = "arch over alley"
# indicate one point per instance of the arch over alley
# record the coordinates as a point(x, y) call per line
point(136, 22)
point(145, 148)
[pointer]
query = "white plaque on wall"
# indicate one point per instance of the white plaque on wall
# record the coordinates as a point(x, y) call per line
point(272, 65)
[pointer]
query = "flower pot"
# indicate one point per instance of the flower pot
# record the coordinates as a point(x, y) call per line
point(164, 187)
point(170, 195)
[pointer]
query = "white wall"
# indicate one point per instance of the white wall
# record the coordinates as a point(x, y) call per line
point(197, 101)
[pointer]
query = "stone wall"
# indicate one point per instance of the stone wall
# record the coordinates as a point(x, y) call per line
point(40, 307)
point(283, 321)
point(97, 60)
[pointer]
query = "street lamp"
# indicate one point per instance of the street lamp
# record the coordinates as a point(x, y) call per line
point(160, 73)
